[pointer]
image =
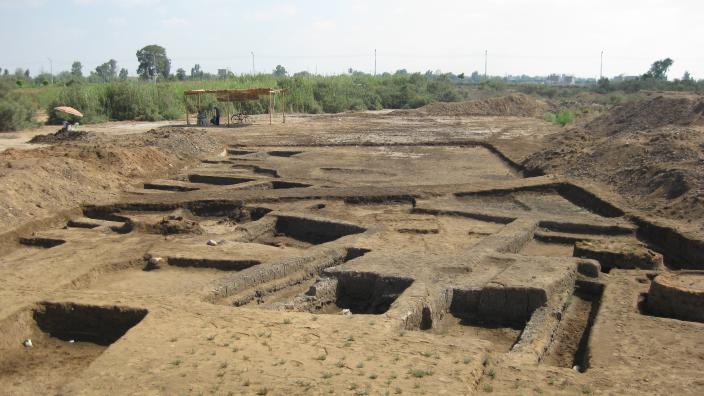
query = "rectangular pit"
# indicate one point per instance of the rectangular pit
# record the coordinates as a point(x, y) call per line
point(222, 265)
point(365, 293)
point(279, 185)
point(168, 187)
point(313, 231)
point(570, 345)
point(497, 305)
point(502, 337)
point(217, 180)
point(66, 338)
point(283, 153)
point(45, 243)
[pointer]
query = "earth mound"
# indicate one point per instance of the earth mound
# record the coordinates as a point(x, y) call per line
point(513, 105)
point(41, 181)
point(62, 135)
point(179, 141)
point(650, 152)
point(651, 113)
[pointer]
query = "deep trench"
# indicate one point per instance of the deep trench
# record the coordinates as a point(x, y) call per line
point(86, 323)
point(570, 345)
point(368, 293)
point(217, 180)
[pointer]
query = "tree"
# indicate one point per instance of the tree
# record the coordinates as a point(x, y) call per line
point(6, 73)
point(77, 69)
point(280, 71)
point(687, 77)
point(658, 70)
point(196, 72)
point(123, 74)
point(603, 85)
point(107, 71)
point(153, 62)
point(180, 74)
point(460, 76)
point(26, 73)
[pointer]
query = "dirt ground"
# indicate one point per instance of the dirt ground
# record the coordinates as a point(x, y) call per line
point(350, 254)
point(650, 152)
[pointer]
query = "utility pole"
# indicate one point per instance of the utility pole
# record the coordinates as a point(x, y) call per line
point(253, 70)
point(486, 56)
point(51, 70)
point(601, 66)
point(374, 61)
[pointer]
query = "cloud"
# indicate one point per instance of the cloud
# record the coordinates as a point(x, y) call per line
point(175, 22)
point(272, 12)
point(324, 25)
point(117, 21)
point(21, 3)
point(120, 3)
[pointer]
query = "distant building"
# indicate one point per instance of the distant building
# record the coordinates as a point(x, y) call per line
point(560, 79)
point(622, 77)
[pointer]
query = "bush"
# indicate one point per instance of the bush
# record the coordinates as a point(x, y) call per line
point(84, 98)
point(16, 110)
point(563, 117)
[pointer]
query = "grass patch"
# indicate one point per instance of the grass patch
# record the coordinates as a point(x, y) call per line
point(420, 373)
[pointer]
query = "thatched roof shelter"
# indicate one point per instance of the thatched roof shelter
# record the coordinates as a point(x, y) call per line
point(242, 95)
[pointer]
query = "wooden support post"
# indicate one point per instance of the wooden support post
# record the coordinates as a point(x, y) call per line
point(283, 102)
point(228, 114)
point(185, 102)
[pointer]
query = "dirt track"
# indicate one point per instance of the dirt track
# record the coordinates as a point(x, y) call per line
point(347, 254)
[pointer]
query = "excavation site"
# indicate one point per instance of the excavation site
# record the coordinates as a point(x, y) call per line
point(413, 252)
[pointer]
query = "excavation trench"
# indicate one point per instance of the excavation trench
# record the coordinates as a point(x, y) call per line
point(223, 265)
point(65, 339)
point(217, 180)
point(45, 243)
point(353, 292)
point(570, 343)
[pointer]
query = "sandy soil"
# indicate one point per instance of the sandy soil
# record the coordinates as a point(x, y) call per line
point(334, 254)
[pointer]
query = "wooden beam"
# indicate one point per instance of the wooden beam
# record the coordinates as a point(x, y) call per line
point(185, 102)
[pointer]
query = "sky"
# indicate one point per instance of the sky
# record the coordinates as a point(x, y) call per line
point(534, 37)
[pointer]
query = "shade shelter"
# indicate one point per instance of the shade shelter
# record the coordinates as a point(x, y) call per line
point(241, 95)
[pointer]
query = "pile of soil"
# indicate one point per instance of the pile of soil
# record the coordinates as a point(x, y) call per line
point(650, 152)
point(177, 225)
point(37, 183)
point(61, 135)
point(513, 105)
point(652, 113)
point(181, 142)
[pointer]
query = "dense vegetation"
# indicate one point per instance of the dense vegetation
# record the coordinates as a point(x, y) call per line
point(16, 110)
point(141, 100)
point(107, 94)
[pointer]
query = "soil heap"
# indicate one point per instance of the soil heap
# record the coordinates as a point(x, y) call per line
point(40, 182)
point(651, 152)
point(62, 135)
point(513, 105)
